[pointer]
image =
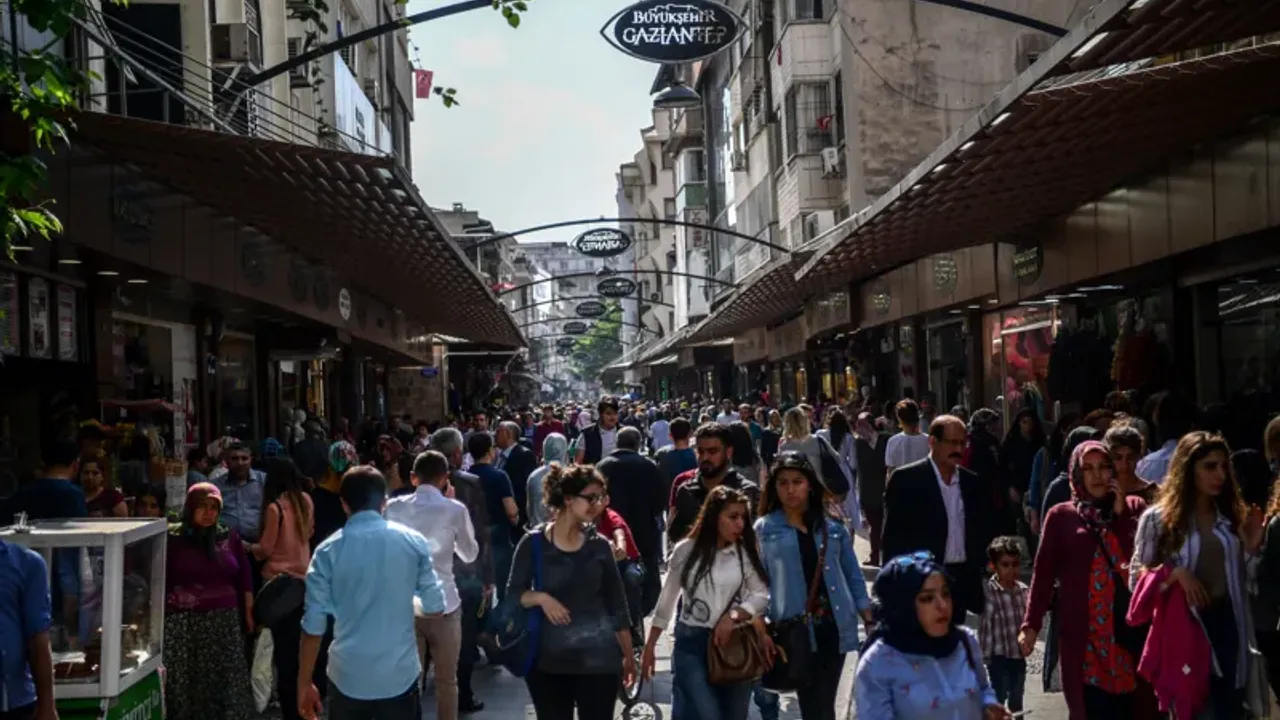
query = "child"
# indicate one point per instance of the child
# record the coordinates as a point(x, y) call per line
point(1006, 603)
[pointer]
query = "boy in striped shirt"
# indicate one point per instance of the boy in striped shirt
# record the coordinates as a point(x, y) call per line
point(1006, 603)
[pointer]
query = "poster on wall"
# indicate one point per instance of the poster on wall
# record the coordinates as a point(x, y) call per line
point(185, 369)
point(9, 325)
point(67, 340)
point(39, 342)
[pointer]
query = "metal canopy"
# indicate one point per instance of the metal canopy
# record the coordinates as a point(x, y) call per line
point(357, 213)
point(764, 296)
point(1104, 105)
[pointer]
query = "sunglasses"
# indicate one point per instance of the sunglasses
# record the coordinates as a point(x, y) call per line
point(913, 558)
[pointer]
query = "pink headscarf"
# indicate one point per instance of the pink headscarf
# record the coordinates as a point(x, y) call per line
point(1096, 512)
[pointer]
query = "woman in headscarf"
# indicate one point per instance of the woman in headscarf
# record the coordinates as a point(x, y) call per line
point(329, 515)
point(208, 611)
point(555, 449)
point(1083, 549)
point(1022, 443)
point(918, 664)
point(870, 470)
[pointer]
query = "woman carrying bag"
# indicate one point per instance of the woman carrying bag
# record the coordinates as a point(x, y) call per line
point(816, 585)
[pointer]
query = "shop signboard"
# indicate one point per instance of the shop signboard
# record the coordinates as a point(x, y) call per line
point(131, 217)
point(358, 126)
point(344, 303)
point(39, 339)
point(662, 31)
point(881, 300)
point(945, 273)
point(430, 372)
point(616, 287)
point(828, 312)
point(591, 309)
point(1028, 261)
point(141, 701)
point(67, 336)
point(10, 325)
point(575, 327)
point(601, 243)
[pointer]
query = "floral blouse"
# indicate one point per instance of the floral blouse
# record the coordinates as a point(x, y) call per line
point(1107, 666)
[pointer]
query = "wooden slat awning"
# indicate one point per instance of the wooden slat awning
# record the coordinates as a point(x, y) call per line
point(765, 295)
point(1105, 105)
point(357, 213)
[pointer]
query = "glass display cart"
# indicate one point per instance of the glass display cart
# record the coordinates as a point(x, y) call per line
point(106, 576)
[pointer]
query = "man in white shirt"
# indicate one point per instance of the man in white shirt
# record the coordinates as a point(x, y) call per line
point(727, 414)
point(446, 524)
point(910, 445)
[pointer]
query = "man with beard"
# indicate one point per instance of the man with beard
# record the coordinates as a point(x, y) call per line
point(936, 505)
point(600, 440)
point(714, 447)
point(475, 579)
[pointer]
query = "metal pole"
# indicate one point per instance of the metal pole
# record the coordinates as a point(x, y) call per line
point(641, 221)
point(999, 14)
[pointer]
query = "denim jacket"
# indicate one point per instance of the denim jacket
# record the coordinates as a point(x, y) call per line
point(788, 592)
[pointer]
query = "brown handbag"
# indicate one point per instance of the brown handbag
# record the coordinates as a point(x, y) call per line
point(741, 659)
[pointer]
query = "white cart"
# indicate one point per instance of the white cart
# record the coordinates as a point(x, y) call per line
point(108, 581)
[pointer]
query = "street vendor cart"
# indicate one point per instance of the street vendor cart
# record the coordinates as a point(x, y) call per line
point(107, 579)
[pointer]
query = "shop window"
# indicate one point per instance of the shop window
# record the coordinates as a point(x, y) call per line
point(142, 361)
point(236, 407)
point(948, 362)
point(1024, 344)
point(1248, 319)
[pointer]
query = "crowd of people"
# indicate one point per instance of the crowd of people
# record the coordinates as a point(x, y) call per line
point(1140, 550)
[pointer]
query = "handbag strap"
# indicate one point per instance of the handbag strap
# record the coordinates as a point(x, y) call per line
point(536, 549)
point(811, 603)
point(1106, 555)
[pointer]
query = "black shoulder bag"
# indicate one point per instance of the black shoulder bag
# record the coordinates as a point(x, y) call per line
point(1130, 637)
point(793, 666)
point(282, 595)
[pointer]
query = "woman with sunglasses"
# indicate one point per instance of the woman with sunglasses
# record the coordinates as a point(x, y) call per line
point(918, 665)
point(717, 575)
point(813, 575)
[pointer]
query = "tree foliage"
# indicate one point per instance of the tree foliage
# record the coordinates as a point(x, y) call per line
point(601, 345)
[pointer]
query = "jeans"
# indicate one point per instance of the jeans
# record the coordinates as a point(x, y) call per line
point(818, 700)
point(556, 696)
point(633, 583)
point(472, 594)
point(286, 636)
point(651, 585)
point(503, 551)
point(1009, 680)
point(442, 637)
point(875, 525)
point(766, 701)
point(693, 697)
point(406, 706)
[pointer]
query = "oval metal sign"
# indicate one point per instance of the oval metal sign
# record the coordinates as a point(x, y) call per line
point(566, 342)
point(582, 355)
point(601, 243)
point(591, 309)
point(663, 31)
point(616, 287)
point(564, 351)
point(576, 327)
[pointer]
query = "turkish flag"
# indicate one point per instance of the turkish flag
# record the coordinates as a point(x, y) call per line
point(422, 84)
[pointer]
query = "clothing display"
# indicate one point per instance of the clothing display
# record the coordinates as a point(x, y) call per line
point(1080, 367)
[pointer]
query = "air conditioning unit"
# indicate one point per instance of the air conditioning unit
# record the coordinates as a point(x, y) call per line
point(296, 8)
point(230, 43)
point(372, 90)
point(297, 76)
point(738, 161)
point(832, 164)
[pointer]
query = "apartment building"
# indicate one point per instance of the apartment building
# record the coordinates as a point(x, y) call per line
point(647, 194)
point(820, 108)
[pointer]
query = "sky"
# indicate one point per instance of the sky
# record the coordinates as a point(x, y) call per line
point(547, 112)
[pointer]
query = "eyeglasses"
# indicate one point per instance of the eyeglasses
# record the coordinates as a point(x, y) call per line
point(595, 499)
point(913, 558)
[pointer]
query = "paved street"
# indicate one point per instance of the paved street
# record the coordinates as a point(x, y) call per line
point(505, 697)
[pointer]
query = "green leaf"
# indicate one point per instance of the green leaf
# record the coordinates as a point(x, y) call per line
point(513, 20)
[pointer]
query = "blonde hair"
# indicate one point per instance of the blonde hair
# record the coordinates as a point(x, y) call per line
point(795, 424)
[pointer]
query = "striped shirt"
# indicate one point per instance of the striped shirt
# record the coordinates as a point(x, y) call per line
point(1001, 618)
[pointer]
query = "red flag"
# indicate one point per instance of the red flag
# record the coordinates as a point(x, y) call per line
point(422, 84)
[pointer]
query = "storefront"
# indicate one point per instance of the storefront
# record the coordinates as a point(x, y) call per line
point(785, 346)
point(750, 359)
point(827, 319)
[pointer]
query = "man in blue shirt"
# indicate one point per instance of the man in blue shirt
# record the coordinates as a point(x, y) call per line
point(26, 666)
point(241, 488)
point(366, 576)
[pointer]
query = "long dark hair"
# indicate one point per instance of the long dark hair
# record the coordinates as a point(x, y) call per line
point(285, 481)
point(838, 427)
point(705, 536)
point(815, 510)
point(744, 449)
point(1037, 439)
point(1177, 499)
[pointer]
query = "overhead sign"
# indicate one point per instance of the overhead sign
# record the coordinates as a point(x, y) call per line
point(564, 351)
point(591, 309)
point(582, 355)
point(601, 243)
point(575, 327)
point(616, 287)
point(661, 31)
point(566, 342)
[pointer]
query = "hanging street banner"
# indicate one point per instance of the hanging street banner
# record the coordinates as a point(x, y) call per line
point(575, 327)
point(591, 309)
point(601, 243)
point(616, 287)
point(662, 31)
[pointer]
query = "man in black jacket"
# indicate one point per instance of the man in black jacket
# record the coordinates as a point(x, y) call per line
point(600, 439)
point(714, 446)
point(518, 462)
point(936, 505)
point(635, 493)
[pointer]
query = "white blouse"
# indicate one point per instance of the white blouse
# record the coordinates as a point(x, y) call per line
point(713, 595)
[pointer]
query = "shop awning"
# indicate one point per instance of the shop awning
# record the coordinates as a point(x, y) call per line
point(671, 359)
point(360, 213)
point(763, 296)
point(1109, 102)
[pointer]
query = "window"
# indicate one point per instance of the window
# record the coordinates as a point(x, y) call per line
point(792, 10)
point(808, 118)
point(666, 161)
point(669, 208)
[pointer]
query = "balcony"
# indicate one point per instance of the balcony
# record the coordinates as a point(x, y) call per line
point(686, 130)
point(691, 195)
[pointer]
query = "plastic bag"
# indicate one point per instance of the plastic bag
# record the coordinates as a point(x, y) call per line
point(263, 675)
